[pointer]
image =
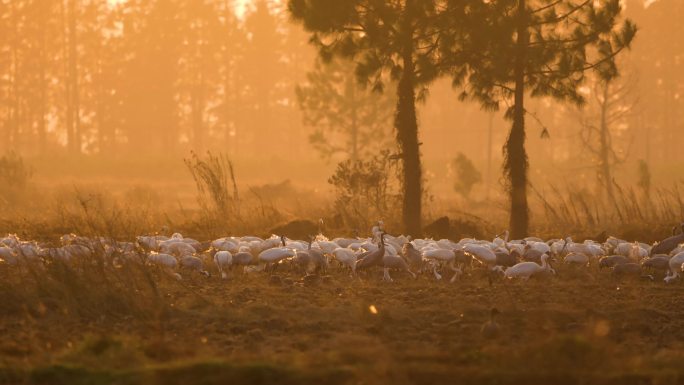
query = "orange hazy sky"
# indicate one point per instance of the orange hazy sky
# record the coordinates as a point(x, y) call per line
point(240, 5)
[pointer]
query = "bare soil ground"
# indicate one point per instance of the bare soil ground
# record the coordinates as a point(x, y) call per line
point(580, 327)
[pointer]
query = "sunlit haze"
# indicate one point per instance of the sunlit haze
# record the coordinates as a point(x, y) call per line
point(341, 192)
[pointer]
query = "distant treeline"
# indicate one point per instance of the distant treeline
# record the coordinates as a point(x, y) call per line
point(163, 75)
point(147, 75)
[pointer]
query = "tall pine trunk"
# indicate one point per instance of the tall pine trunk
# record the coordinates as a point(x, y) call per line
point(228, 82)
point(490, 129)
point(43, 95)
point(606, 172)
point(198, 103)
point(350, 94)
point(73, 129)
point(407, 137)
point(13, 106)
point(515, 163)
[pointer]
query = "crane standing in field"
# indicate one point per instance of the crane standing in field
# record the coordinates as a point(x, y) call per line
point(378, 230)
point(668, 244)
point(374, 258)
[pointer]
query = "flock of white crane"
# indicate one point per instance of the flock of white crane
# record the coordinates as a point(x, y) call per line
point(512, 259)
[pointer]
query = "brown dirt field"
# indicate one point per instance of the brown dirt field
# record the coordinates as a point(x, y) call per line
point(580, 327)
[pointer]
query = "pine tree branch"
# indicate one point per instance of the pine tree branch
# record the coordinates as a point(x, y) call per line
point(580, 41)
point(354, 29)
point(548, 6)
point(582, 69)
point(564, 16)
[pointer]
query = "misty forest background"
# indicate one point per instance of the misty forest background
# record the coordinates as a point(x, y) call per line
point(105, 107)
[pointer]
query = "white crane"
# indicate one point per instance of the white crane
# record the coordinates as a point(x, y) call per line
point(525, 270)
point(223, 259)
point(675, 267)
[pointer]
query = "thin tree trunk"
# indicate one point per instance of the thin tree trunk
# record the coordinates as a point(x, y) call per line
point(407, 137)
point(647, 128)
point(13, 106)
point(515, 164)
point(198, 115)
point(605, 145)
point(228, 81)
point(198, 94)
point(351, 88)
point(75, 144)
point(196, 110)
point(71, 86)
point(43, 107)
point(490, 128)
point(67, 84)
point(105, 140)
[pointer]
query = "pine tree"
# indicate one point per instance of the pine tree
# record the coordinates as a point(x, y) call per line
point(395, 37)
point(151, 43)
point(347, 118)
point(199, 67)
point(232, 43)
point(611, 102)
point(263, 79)
point(538, 48)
